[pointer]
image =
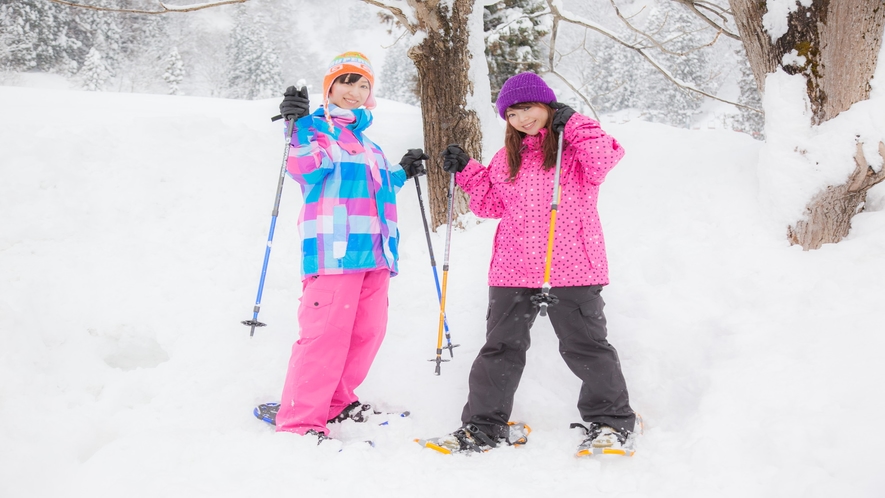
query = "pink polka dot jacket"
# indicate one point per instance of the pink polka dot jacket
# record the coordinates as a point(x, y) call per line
point(523, 205)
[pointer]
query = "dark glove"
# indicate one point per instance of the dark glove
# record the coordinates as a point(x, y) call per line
point(295, 104)
point(411, 163)
point(561, 115)
point(454, 159)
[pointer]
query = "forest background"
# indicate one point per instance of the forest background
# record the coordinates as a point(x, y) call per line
point(256, 49)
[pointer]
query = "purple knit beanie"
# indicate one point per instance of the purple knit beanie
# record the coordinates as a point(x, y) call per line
point(523, 87)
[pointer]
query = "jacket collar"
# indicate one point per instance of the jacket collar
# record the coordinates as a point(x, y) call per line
point(533, 142)
point(355, 120)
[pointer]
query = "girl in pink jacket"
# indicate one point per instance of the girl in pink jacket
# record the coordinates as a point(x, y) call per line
point(517, 187)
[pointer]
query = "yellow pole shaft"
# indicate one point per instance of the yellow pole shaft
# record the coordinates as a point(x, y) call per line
point(548, 260)
point(442, 313)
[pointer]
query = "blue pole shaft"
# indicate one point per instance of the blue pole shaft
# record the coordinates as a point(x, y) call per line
point(290, 125)
point(432, 258)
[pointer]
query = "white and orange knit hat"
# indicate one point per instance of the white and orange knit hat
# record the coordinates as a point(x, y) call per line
point(350, 62)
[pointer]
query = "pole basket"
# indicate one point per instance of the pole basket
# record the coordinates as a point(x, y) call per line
point(253, 324)
point(543, 300)
point(450, 347)
point(439, 361)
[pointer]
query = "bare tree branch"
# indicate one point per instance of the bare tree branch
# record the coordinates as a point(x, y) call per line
point(397, 13)
point(658, 44)
point(577, 91)
point(164, 9)
point(558, 15)
point(864, 176)
point(721, 13)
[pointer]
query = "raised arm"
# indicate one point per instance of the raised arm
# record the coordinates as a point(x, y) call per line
point(310, 158)
point(594, 150)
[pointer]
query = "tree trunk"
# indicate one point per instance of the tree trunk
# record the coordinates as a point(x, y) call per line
point(840, 41)
point(442, 60)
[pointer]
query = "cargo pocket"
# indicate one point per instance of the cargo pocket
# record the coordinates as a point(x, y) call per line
point(593, 317)
point(313, 314)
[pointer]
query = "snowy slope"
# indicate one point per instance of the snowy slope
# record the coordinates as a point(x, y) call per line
point(133, 228)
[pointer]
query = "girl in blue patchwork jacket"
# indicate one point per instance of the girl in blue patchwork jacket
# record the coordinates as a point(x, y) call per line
point(349, 238)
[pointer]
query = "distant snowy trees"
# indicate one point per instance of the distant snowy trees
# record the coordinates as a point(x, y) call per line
point(684, 34)
point(174, 71)
point(513, 35)
point(251, 50)
point(658, 61)
point(399, 77)
point(752, 123)
point(255, 71)
point(94, 74)
point(121, 51)
point(41, 36)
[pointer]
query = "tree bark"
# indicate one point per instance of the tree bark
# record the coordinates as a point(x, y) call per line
point(829, 214)
point(840, 41)
point(442, 59)
point(444, 83)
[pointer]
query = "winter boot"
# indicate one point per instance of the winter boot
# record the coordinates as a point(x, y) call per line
point(469, 439)
point(603, 440)
point(320, 436)
point(356, 411)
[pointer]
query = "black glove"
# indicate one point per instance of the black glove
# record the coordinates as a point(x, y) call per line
point(295, 104)
point(561, 115)
point(454, 159)
point(411, 163)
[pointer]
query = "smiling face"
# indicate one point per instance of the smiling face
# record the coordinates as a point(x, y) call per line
point(348, 93)
point(528, 118)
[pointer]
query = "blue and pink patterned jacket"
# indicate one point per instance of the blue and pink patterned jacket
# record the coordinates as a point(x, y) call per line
point(348, 223)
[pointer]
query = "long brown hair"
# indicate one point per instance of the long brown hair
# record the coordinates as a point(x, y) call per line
point(513, 142)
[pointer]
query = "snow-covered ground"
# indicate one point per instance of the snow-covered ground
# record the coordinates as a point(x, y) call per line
point(133, 231)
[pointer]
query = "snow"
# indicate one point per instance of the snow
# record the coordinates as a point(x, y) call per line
point(481, 96)
point(798, 159)
point(134, 228)
point(775, 18)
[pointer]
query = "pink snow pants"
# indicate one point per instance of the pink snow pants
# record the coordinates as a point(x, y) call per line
point(343, 319)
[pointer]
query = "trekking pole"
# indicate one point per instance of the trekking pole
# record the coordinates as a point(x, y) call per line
point(290, 124)
point(545, 298)
point(449, 345)
point(442, 296)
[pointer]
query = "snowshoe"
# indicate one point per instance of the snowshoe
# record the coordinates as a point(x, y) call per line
point(601, 439)
point(469, 439)
point(356, 411)
point(329, 443)
point(267, 412)
point(320, 436)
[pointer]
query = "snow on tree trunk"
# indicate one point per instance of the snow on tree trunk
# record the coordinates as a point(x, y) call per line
point(834, 46)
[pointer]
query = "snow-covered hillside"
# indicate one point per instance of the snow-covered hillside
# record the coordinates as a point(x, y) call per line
point(133, 231)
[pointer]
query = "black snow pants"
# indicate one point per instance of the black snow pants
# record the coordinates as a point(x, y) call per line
point(579, 323)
